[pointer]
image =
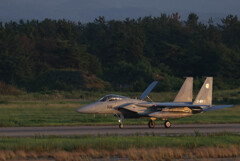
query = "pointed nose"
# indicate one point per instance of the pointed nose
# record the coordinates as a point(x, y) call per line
point(91, 108)
point(83, 109)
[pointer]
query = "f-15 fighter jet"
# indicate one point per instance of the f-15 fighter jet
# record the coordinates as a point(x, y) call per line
point(123, 107)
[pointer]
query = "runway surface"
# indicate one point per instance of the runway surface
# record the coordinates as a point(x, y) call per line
point(127, 130)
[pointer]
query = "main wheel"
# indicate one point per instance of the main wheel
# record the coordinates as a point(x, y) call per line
point(167, 124)
point(151, 124)
point(120, 126)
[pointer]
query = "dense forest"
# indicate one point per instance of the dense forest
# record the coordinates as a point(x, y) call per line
point(119, 55)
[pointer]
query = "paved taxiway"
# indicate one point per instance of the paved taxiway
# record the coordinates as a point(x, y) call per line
point(127, 130)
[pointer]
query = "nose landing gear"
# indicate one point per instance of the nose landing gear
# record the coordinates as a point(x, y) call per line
point(120, 120)
point(120, 125)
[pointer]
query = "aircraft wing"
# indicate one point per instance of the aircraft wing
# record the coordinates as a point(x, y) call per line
point(134, 108)
point(216, 107)
point(128, 107)
point(148, 90)
point(172, 104)
point(165, 104)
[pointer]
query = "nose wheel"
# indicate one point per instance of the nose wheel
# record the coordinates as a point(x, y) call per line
point(120, 120)
point(167, 124)
point(151, 124)
point(120, 125)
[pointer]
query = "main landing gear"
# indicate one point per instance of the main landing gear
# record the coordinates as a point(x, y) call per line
point(167, 124)
point(151, 124)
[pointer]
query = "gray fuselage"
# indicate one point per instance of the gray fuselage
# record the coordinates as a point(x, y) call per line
point(133, 108)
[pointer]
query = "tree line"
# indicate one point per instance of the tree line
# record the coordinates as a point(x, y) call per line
point(119, 54)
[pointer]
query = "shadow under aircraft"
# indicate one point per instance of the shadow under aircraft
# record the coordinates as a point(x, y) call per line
point(124, 107)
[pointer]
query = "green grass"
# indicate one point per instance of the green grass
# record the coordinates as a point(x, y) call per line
point(219, 96)
point(50, 113)
point(58, 108)
point(50, 143)
point(135, 147)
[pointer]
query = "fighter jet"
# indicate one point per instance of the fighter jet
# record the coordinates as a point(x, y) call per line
point(124, 107)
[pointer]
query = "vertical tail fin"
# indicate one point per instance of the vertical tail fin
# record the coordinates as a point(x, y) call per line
point(186, 92)
point(204, 96)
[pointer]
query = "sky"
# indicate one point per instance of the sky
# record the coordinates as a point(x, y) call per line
point(87, 10)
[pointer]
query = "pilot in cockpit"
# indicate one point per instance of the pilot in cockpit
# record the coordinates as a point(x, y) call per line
point(111, 98)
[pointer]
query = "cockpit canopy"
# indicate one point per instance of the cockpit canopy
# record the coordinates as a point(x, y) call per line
point(111, 97)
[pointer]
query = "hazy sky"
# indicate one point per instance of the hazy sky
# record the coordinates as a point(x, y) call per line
point(88, 10)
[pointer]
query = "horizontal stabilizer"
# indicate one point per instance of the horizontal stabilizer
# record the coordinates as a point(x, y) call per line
point(148, 90)
point(216, 107)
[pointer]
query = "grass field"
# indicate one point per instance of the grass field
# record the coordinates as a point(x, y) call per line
point(113, 142)
point(58, 108)
point(219, 96)
point(51, 113)
point(132, 147)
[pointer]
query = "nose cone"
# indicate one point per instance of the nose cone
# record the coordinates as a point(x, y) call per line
point(83, 109)
point(87, 109)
